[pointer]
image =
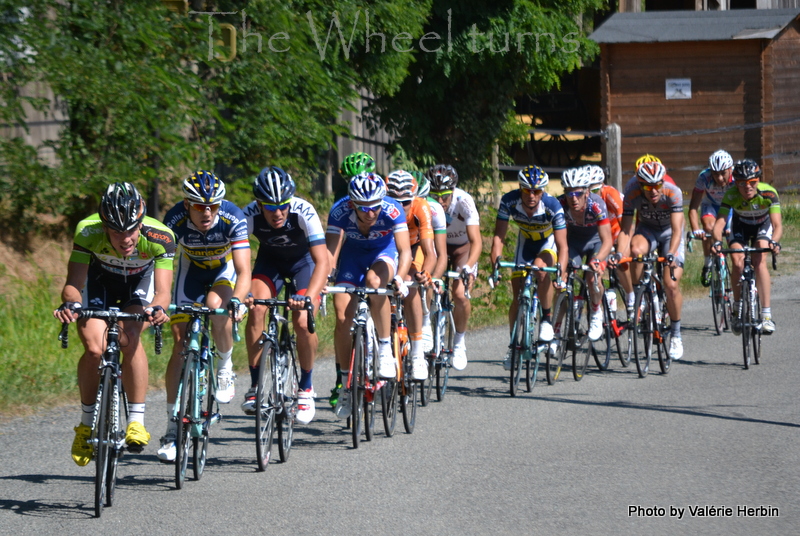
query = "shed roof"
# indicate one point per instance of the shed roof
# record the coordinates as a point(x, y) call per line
point(671, 26)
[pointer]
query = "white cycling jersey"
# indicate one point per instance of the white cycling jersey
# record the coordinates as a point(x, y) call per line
point(438, 220)
point(461, 213)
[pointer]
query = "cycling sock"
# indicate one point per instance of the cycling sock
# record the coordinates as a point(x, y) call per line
point(458, 340)
point(87, 414)
point(676, 329)
point(345, 374)
point(305, 379)
point(629, 299)
point(416, 339)
point(225, 362)
point(385, 341)
point(545, 314)
point(708, 261)
point(135, 413)
point(253, 377)
point(426, 319)
point(766, 312)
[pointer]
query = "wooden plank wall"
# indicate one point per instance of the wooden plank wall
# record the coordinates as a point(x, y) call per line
point(726, 91)
point(782, 80)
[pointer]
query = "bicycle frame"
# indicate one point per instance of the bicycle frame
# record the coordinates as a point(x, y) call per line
point(443, 328)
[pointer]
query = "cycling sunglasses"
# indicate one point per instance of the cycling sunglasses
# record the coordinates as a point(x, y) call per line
point(647, 187)
point(272, 207)
point(576, 193)
point(370, 208)
point(750, 182)
point(202, 207)
point(532, 191)
point(443, 193)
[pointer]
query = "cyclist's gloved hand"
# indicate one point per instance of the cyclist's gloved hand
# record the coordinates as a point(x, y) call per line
point(157, 315)
point(716, 246)
point(237, 309)
point(699, 233)
point(775, 246)
point(67, 311)
point(597, 265)
point(670, 259)
point(613, 259)
point(423, 278)
point(400, 287)
point(297, 302)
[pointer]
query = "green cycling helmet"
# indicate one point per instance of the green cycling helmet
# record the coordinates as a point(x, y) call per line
point(357, 163)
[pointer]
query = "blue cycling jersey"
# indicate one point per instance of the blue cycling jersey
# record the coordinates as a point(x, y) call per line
point(391, 219)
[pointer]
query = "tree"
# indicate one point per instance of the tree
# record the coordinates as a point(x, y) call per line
point(458, 99)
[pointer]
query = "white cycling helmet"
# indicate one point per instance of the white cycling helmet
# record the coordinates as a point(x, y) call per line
point(596, 174)
point(720, 161)
point(401, 185)
point(651, 172)
point(367, 187)
point(575, 178)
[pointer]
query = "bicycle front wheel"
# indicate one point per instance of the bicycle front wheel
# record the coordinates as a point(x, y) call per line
point(287, 398)
point(186, 399)
point(581, 345)
point(200, 444)
point(447, 331)
point(557, 349)
point(358, 383)
point(755, 315)
point(265, 405)
point(643, 330)
point(408, 405)
point(745, 314)
point(717, 302)
point(603, 347)
point(663, 338)
point(518, 333)
point(103, 438)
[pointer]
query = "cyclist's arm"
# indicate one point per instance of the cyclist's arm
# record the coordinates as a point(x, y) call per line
point(428, 249)
point(500, 231)
point(162, 283)
point(76, 278)
point(676, 219)
point(403, 244)
point(606, 242)
point(333, 242)
point(322, 267)
point(625, 234)
point(562, 246)
point(475, 244)
point(777, 226)
point(440, 242)
point(694, 205)
point(241, 263)
point(719, 227)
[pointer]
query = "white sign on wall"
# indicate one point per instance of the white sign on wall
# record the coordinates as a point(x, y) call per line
point(679, 88)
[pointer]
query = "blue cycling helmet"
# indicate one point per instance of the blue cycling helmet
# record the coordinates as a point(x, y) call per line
point(367, 188)
point(203, 187)
point(532, 177)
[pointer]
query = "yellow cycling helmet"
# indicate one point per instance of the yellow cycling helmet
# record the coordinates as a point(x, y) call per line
point(647, 158)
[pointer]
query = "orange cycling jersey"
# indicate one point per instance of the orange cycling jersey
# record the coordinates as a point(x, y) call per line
point(613, 201)
point(419, 221)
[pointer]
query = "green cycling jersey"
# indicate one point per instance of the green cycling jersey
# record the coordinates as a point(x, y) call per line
point(752, 211)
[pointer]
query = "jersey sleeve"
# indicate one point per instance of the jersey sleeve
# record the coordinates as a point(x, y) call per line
point(161, 242)
point(337, 216)
point(471, 215)
point(309, 221)
point(250, 212)
point(87, 234)
point(423, 214)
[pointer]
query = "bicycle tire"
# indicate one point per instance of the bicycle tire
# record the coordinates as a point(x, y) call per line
point(265, 405)
point(554, 357)
point(408, 405)
point(624, 327)
point(518, 333)
point(389, 394)
point(288, 399)
point(369, 397)
point(358, 383)
point(603, 347)
point(447, 327)
point(426, 388)
point(532, 366)
point(727, 292)
point(756, 333)
point(581, 346)
point(664, 338)
point(200, 444)
point(187, 398)
point(643, 330)
point(744, 314)
point(119, 400)
point(717, 303)
point(103, 443)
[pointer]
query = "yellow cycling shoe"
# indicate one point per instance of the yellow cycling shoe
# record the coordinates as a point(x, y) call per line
point(82, 451)
point(136, 437)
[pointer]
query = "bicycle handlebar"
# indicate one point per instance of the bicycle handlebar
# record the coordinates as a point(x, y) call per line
point(202, 310)
point(359, 290)
point(113, 316)
point(275, 302)
point(650, 257)
point(754, 250)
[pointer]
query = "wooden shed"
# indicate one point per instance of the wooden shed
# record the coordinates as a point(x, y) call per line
point(682, 84)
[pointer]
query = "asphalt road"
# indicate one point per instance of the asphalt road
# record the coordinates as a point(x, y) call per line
point(566, 459)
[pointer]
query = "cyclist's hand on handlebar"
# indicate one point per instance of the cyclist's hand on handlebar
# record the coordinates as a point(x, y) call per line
point(716, 246)
point(297, 302)
point(237, 309)
point(699, 233)
point(775, 247)
point(597, 265)
point(670, 258)
point(67, 312)
point(559, 283)
point(423, 278)
point(613, 260)
point(156, 315)
point(400, 288)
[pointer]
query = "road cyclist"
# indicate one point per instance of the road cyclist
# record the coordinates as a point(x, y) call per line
point(757, 222)
point(213, 270)
point(707, 195)
point(291, 246)
point(464, 246)
point(367, 238)
point(542, 241)
point(658, 206)
point(120, 258)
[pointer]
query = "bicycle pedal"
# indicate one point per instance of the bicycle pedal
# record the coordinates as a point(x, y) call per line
point(133, 449)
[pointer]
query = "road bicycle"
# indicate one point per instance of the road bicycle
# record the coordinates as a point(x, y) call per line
point(720, 290)
point(108, 435)
point(651, 323)
point(362, 383)
point(616, 338)
point(749, 314)
point(196, 408)
point(278, 380)
point(404, 389)
point(571, 317)
point(524, 342)
point(443, 329)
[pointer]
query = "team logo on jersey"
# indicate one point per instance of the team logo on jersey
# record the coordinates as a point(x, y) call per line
point(392, 211)
point(280, 241)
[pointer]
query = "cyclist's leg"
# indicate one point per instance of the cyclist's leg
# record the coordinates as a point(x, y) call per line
point(378, 276)
point(307, 342)
point(763, 279)
point(135, 378)
point(413, 314)
point(263, 288)
point(218, 298)
point(741, 235)
point(92, 335)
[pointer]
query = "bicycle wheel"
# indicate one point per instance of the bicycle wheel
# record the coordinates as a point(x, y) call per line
point(755, 314)
point(389, 406)
point(408, 404)
point(200, 444)
point(581, 346)
point(265, 405)
point(603, 347)
point(557, 349)
point(117, 438)
point(187, 399)
point(426, 388)
point(745, 314)
point(623, 329)
point(518, 333)
point(643, 330)
point(287, 398)
point(717, 302)
point(727, 293)
point(532, 343)
point(103, 445)
point(358, 383)
point(448, 331)
point(663, 337)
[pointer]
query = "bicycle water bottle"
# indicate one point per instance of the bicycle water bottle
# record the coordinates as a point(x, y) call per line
point(203, 377)
point(657, 307)
point(534, 307)
point(611, 299)
point(577, 308)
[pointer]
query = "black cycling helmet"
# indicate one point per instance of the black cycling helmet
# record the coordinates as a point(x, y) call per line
point(442, 177)
point(122, 207)
point(357, 163)
point(746, 169)
point(273, 185)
